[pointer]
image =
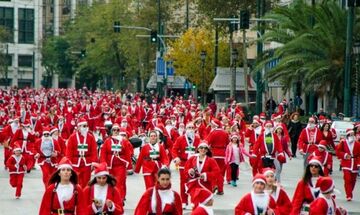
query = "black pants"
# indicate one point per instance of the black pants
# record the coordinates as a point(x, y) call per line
point(294, 141)
point(234, 170)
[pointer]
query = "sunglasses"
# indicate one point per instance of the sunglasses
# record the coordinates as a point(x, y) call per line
point(46, 135)
point(84, 126)
point(116, 130)
point(314, 166)
point(190, 127)
point(201, 147)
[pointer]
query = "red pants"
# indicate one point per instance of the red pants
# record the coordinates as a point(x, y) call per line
point(184, 196)
point(219, 182)
point(349, 182)
point(255, 166)
point(47, 171)
point(7, 154)
point(150, 180)
point(84, 174)
point(120, 173)
point(16, 181)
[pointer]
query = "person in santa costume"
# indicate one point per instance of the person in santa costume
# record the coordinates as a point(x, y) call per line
point(47, 153)
point(252, 133)
point(218, 139)
point(203, 202)
point(324, 156)
point(348, 151)
point(17, 166)
point(309, 139)
point(82, 151)
point(152, 157)
point(201, 169)
point(54, 132)
point(6, 135)
point(160, 199)
point(283, 203)
point(185, 147)
point(116, 153)
point(101, 195)
point(257, 201)
point(325, 203)
point(357, 131)
point(284, 142)
point(328, 135)
point(306, 190)
point(63, 195)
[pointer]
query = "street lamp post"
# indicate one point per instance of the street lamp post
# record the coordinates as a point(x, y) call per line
point(234, 57)
point(356, 52)
point(203, 58)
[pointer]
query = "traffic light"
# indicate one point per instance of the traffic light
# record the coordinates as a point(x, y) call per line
point(153, 36)
point(244, 19)
point(117, 26)
point(194, 86)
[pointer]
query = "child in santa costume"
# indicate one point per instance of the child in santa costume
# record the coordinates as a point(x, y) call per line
point(63, 195)
point(201, 170)
point(184, 147)
point(151, 158)
point(82, 151)
point(234, 155)
point(17, 166)
point(203, 202)
point(283, 203)
point(324, 156)
point(47, 151)
point(160, 199)
point(325, 203)
point(306, 190)
point(348, 151)
point(102, 196)
point(117, 154)
point(257, 201)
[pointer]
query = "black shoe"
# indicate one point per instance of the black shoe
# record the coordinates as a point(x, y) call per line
point(28, 171)
point(220, 193)
point(215, 189)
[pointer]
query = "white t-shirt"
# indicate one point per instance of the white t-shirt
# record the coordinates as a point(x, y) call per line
point(64, 193)
point(236, 153)
point(100, 193)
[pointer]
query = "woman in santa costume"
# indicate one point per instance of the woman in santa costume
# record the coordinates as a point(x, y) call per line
point(102, 196)
point(183, 148)
point(160, 199)
point(348, 151)
point(257, 201)
point(201, 170)
point(284, 141)
point(54, 132)
point(82, 151)
point(325, 157)
point(306, 190)
point(328, 135)
point(63, 195)
point(47, 153)
point(17, 166)
point(116, 153)
point(203, 202)
point(151, 158)
point(325, 203)
point(252, 133)
point(283, 203)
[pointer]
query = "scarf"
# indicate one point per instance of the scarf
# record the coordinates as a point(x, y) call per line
point(158, 198)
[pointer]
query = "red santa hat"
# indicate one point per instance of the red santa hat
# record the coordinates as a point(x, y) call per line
point(53, 129)
point(64, 163)
point(26, 123)
point(160, 127)
point(267, 171)
point(124, 132)
point(315, 160)
point(322, 144)
point(349, 131)
point(17, 147)
point(326, 184)
point(115, 126)
point(312, 119)
point(322, 118)
point(234, 135)
point(277, 116)
point(268, 122)
point(46, 130)
point(259, 178)
point(215, 122)
point(202, 196)
point(190, 124)
point(82, 121)
point(100, 169)
point(262, 115)
point(204, 143)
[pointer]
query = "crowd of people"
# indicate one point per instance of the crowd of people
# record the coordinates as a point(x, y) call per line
point(84, 143)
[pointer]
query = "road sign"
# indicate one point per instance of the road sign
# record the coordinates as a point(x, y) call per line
point(160, 69)
point(170, 71)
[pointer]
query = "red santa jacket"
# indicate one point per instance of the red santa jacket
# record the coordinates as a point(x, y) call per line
point(115, 153)
point(26, 144)
point(307, 143)
point(201, 210)
point(218, 140)
point(51, 120)
point(182, 149)
point(112, 194)
point(50, 202)
point(16, 167)
point(325, 158)
point(64, 130)
point(37, 128)
point(42, 159)
point(344, 149)
point(170, 205)
point(81, 151)
point(322, 205)
point(248, 206)
point(261, 149)
point(151, 158)
point(283, 203)
point(304, 193)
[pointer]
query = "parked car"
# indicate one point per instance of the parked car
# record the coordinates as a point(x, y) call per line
point(340, 128)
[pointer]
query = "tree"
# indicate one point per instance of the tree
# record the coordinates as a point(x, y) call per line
point(5, 36)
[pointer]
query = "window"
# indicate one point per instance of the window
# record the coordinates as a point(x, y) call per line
point(7, 20)
point(26, 26)
point(25, 60)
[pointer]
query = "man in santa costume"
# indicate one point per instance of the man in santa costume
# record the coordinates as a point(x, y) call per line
point(325, 203)
point(309, 139)
point(35, 124)
point(82, 151)
point(325, 157)
point(54, 133)
point(203, 202)
point(116, 153)
point(218, 140)
point(6, 135)
point(257, 201)
point(348, 151)
point(185, 147)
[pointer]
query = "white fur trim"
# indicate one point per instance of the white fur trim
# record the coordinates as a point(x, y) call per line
point(330, 188)
point(269, 171)
point(259, 180)
point(62, 166)
point(207, 199)
point(81, 123)
point(315, 161)
point(16, 149)
point(101, 173)
point(203, 144)
point(53, 130)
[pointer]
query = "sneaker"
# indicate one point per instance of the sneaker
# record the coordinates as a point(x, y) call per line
point(233, 183)
point(220, 193)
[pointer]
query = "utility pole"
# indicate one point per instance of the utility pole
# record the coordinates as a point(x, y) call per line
point(232, 91)
point(260, 10)
point(245, 68)
point(187, 14)
point(6, 66)
point(216, 53)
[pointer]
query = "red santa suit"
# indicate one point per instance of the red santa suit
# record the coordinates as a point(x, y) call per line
point(252, 135)
point(253, 203)
point(151, 159)
point(283, 203)
point(182, 150)
point(309, 139)
point(304, 194)
point(325, 157)
point(323, 205)
point(157, 200)
point(349, 166)
point(26, 141)
point(117, 155)
point(201, 198)
point(82, 151)
point(5, 138)
point(15, 165)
